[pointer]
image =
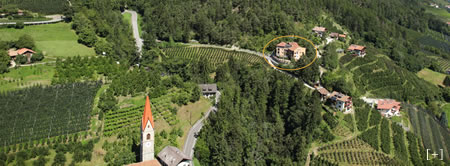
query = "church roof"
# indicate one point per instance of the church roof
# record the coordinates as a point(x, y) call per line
point(147, 163)
point(147, 115)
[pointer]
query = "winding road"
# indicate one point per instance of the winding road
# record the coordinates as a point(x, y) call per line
point(54, 19)
point(134, 24)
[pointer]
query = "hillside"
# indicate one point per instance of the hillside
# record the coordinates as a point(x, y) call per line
point(378, 76)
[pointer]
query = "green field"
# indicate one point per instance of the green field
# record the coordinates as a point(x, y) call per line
point(55, 40)
point(431, 76)
point(26, 76)
point(127, 17)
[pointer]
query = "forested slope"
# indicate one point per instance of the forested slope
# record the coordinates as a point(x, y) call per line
point(263, 119)
point(40, 6)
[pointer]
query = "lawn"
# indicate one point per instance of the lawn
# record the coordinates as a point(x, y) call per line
point(56, 40)
point(127, 17)
point(431, 76)
point(446, 108)
point(26, 76)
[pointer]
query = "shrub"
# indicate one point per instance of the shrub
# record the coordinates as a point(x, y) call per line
point(19, 25)
point(39, 56)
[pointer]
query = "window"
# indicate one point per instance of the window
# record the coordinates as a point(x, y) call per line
point(148, 136)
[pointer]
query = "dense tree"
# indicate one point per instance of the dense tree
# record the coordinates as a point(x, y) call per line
point(107, 101)
point(25, 41)
point(250, 112)
point(103, 47)
point(59, 159)
point(447, 81)
point(4, 61)
point(385, 136)
point(40, 161)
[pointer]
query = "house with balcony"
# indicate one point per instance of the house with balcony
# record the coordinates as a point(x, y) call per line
point(357, 50)
point(342, 101)
point(388, 107)
point(320, 31)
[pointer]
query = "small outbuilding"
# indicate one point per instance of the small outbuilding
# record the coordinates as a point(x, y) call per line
point(208, 90)
point(172, 156)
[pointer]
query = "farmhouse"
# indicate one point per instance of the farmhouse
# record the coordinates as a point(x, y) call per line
point(342, 102)
point(208, 90)
point(357, 50)
point(23, 51)
point(388, 107)
point(20, 12)
point(290, 50)
point(172, 156)
point(319, 31)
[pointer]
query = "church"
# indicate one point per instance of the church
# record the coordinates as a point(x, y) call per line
point(169, 156)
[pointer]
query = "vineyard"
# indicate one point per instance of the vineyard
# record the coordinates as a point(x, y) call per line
point(353, 152)
point(215, 55)
point(444, 64)
point(433, 135)
point(116, 121)
point(42, 112)
point(383, 78)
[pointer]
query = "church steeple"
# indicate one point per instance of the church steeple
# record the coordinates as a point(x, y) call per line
point(147, 116)
point(147, 133)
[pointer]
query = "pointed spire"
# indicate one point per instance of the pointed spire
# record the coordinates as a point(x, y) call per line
point(147, 115)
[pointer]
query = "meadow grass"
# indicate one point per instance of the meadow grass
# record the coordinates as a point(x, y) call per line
point(56, 40)
point(431, 76)
point(27, 76)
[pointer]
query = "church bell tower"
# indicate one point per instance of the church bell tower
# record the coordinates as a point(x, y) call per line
point(147, 134)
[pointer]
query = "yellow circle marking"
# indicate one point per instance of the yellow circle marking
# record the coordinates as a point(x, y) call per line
point(315, 57)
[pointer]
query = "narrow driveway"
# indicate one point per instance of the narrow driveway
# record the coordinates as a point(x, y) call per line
point(189, 144)
point(134, 23)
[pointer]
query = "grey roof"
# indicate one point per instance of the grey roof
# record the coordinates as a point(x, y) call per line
point(172, 156)
point(208, 88)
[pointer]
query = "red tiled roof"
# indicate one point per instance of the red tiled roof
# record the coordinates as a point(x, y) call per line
point(388, 104)
point(343, 35)
point(356, 47)
point(147, 115)
point(319, 29)
point(147, 163)
point(24, 50)
point(294, 46)
point(282, 44)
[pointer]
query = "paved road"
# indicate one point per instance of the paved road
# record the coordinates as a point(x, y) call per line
point(189, 144)
point(54, 19)
point(134, 23)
